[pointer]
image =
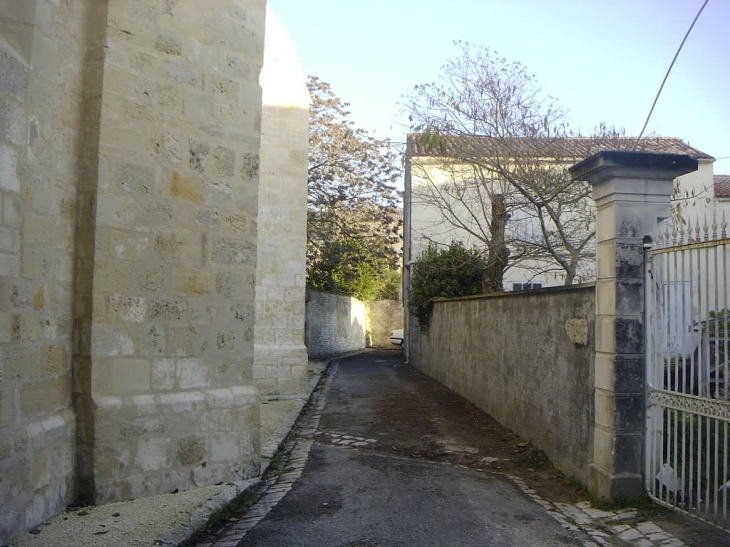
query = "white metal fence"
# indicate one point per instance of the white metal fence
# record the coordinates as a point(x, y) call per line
point(687, 344)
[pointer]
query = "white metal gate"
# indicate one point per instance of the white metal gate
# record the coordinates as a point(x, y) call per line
point(687, 343)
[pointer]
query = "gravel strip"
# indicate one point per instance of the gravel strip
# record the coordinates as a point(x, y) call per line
point(131, 523)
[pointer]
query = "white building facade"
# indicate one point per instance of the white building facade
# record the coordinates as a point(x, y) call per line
point(443, 202)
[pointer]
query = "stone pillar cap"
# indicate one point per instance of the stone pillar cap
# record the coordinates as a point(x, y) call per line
point(612, 163)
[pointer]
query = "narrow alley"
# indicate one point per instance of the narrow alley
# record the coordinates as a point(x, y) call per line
point(385, 457)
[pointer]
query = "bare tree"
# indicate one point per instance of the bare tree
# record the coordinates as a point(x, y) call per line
point(488, 118)
point(473, 207)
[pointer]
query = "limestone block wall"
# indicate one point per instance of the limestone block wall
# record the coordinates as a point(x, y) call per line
point(167, 251)
point(280, 357)
point(42, 53)
point(526, 358)
point(130, 135)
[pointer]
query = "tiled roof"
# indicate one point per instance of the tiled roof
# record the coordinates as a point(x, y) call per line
point(565, 148)
point(722, 186)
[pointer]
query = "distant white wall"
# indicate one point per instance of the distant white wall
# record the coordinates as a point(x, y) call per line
point(696, 197)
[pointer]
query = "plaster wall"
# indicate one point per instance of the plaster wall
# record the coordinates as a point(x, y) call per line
point(525, 358)
point(383, 316)
point(696, 201)
point(697, 185)
point(427, 223)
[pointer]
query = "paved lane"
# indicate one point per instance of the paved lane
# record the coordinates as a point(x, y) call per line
point(356, 488)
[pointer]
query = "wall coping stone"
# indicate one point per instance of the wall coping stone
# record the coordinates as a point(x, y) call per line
point(615, 163)
point(517, 294)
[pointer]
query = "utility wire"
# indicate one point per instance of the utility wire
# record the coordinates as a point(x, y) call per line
point(667, 75)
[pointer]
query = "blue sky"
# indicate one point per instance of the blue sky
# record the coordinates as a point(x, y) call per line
point(603, 60)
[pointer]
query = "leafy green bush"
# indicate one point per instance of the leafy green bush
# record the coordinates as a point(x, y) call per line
point(444, 272)
point(390, 286)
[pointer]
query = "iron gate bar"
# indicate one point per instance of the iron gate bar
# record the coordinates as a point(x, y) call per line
point(690, 246)
point(687, 348)
point(690, 403)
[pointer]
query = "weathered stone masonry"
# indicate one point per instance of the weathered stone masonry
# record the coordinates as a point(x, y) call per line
point(164, 391)
point(130, 134)
point(43, 48)
point(632, 192)
point(280, 356)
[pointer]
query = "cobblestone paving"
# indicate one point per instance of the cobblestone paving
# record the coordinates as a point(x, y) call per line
point(606, 528)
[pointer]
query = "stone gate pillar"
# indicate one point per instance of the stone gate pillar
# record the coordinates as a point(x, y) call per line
point(632, 192)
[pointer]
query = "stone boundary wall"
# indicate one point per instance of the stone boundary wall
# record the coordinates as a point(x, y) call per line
point(337, 324)
point(527, 359)
point(383, 316)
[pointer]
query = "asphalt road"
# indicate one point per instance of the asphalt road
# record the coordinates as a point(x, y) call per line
point(382, 471)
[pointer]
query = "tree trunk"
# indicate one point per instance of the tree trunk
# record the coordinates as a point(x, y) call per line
point(493, 280)
point(570, 273)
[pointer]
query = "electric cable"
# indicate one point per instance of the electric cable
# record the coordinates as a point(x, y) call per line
point(667, 75)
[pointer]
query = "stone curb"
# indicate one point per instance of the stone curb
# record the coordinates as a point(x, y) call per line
point(276, 487)
point(200, 516)
point(281, 433)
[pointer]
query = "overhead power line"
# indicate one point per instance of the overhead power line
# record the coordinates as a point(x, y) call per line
point(667, 74)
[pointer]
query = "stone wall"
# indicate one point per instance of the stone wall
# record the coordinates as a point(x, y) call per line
point(167, 265)
point(526, 358)
point(337, 324)
point(42, 59)
point(632, 193)
point(130, 134)
point(280, 358)
point(382, 317)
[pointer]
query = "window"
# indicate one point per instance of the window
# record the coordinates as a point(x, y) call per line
point(526, 286)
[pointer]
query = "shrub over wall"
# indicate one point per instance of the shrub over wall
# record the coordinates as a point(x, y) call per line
point(442, 273)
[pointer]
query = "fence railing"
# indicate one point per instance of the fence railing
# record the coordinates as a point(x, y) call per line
point(688, 343)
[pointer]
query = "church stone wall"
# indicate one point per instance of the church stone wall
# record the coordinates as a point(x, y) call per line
point(166, 346)
point(42, 56)
point(130, 135)
point(280, 361)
